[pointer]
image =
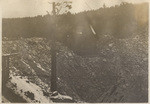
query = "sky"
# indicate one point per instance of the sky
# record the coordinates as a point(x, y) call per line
point(26, 8)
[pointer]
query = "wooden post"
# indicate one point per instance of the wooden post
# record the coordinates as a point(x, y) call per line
point(5, 71)
point(5, 68)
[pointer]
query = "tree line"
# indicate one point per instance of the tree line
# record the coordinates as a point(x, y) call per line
point(119, 21)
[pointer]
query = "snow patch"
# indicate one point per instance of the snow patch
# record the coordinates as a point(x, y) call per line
point(28, 66)
point(70, 54)
point(111, 44)
point(39, 66)
point(59, 96)
point(23, 85)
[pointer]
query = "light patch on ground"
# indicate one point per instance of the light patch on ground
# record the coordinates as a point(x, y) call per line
point(39, 66)
point(23, 85)
point(28, 66)
point(62, 97)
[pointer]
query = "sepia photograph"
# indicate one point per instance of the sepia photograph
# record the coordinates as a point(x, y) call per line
point(74, 51)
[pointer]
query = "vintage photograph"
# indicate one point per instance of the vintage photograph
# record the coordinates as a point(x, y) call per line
point(74, 51)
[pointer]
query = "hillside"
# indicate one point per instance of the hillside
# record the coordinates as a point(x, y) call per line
point(119, 70)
